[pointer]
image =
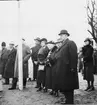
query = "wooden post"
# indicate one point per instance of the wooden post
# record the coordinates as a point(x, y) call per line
point(20, 58)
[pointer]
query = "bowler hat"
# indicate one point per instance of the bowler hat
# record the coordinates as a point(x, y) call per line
point(64, 32)
point(43, 39)
point(3, 44)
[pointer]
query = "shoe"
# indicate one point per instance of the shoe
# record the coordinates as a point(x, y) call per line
point(56, 94)
point(12, 88)
point(91, 89)
point(33, 80)
point(36, 86)
point(87, 89)
point(29, 80)
point(5, 83)
point(51, 93)
point(45, 90)
point(39, 89)
point(24, 87)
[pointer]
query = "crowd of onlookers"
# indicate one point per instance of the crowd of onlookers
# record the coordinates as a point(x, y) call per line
point(55, 65)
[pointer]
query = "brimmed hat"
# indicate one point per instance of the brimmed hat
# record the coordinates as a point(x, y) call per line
point(37, 39)
point(87, 39)
point(64, 32)
point(43, 39)
point(11, 43)
point(3, 44)
point(50, 42)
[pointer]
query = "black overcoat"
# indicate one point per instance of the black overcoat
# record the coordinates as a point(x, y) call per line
point(3, 60)
point(34, 55)
point(42, 55)
point(65, 67)
point(9, 68)
point(88, 62)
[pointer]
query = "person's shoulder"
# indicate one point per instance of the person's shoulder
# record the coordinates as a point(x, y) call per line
point(71, 42)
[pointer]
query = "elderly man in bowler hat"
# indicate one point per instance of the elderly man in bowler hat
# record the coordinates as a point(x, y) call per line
point(65, 66)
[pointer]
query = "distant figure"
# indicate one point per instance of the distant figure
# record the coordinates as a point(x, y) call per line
point(88, 65)
point(3, 61)
point(9, 68)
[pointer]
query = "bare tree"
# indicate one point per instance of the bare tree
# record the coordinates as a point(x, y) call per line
point(92, 18)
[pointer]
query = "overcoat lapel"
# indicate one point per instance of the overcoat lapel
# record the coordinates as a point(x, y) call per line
point(64, 43)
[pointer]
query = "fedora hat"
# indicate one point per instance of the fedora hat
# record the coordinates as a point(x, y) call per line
point(37, 39)
point(64, 32)
point(43, 39)
point(11, 43)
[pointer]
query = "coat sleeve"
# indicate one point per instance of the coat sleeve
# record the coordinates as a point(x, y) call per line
point(73, 58)
point(26, 58)
point(89, 55)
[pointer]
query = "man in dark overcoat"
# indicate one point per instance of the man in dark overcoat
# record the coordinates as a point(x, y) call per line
point(3, 60)
point(9, 68)
point(26, 55)
point(34, 54)
point(65, 67)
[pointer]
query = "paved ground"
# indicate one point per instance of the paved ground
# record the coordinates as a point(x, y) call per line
point(29, 96)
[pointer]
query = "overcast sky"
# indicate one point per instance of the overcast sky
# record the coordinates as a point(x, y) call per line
point(43, 18)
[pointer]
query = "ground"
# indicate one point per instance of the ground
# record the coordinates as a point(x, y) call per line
point(29, 96)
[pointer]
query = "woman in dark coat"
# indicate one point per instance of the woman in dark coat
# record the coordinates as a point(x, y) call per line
point(48, 83)
point(42, 55)
point(88, 64)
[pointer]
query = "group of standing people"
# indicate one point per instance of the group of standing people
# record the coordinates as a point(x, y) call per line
point(9, 63)
point(55, 65)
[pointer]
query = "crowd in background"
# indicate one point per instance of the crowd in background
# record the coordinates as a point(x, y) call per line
point(55, 65)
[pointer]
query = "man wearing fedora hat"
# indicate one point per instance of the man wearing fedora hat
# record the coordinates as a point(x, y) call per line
point(66, 67)
point(9, 68)
point(3, 60)
point(34, 54)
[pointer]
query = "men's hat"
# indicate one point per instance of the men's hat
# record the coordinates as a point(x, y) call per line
point(11, 43)
point(87, 39)
point(38, 39)
point(3, 44)
point(50, 42)
point(64, 32)
point(43, 39)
